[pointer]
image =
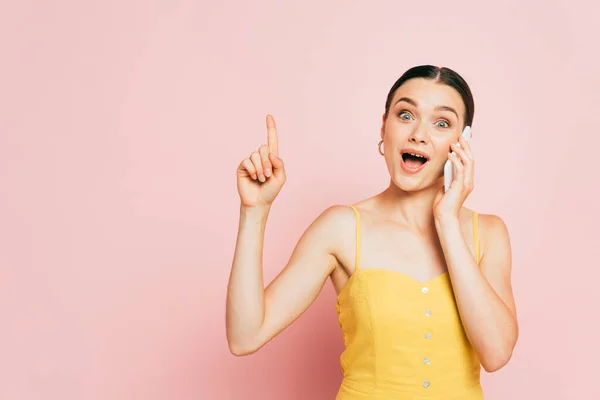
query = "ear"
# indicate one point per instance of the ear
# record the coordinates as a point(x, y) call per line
point(382, 126)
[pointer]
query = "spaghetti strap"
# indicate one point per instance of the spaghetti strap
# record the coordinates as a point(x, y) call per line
point(476, 235)
point(357, 260)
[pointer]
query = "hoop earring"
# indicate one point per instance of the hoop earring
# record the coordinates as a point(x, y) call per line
point(379, 147)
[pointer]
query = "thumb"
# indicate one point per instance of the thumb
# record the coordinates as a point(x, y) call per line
point(278, 167)
point(439, 195)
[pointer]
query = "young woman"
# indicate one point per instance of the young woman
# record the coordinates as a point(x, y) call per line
point(424, 283)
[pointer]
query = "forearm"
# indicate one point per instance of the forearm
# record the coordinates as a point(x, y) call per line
point(245, 294)
point(488, 322)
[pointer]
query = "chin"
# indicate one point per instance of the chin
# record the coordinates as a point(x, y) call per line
point(413, 183)
point(408, 184)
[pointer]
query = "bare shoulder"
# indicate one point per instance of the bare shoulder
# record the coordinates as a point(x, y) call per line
point(336, 218)
point(338, 213)
point(341, 221)
point(493, 229)
point(496, 253)
point(328, 232)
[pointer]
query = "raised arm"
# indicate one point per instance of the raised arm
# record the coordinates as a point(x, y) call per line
point(254, 314)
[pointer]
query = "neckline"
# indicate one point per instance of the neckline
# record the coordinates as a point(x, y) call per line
point(396, 273)
point(405, 275)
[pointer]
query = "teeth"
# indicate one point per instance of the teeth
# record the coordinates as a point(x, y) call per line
point(416, 155)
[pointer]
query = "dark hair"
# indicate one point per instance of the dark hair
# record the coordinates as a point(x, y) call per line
point(442, 75)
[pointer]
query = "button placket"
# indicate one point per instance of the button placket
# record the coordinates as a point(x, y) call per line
point(428, 335)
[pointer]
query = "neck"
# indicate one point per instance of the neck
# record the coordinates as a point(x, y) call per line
point(412, 208)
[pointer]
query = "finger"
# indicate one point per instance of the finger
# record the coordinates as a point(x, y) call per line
point(458, 170)
point(469, 167)
point(461, 153)
point(466, 146)
point(468, 163)
point(247, 164)
point(264, 156)
point(278, 167)
point(468, 179)
point(272, 135)
point(255, 158)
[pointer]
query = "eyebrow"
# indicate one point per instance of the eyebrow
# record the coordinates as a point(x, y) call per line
point(437, 108)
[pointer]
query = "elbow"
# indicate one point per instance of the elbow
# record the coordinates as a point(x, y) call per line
point(240, 351)
point(500, 355)
point(243, 342)
point(239, 341)
point(242, 348)
point(493, 366)
point(496, 361)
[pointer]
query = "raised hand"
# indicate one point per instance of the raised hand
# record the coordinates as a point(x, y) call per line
point(448, 204)
point(261, 176)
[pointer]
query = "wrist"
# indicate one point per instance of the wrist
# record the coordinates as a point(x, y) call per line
point(444, 221)
point(261, 211)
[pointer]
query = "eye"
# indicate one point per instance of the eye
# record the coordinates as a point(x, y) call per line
point(403, 114)
point(443, 124)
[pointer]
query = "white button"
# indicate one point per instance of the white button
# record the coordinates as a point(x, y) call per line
point(426, 384)
point(424, 290)
point(428, 313)
point(427, 360)
point(428, 335)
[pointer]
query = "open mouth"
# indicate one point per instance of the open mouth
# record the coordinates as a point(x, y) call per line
point(414, 161)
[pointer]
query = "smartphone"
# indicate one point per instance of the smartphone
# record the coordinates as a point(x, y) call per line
point(448, 168)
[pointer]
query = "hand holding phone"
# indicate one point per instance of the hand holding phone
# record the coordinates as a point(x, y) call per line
point(448, 168)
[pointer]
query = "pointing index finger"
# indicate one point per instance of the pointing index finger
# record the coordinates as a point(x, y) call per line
point(272, 136)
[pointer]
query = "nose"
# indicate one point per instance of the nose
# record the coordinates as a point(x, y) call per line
point(419, 135)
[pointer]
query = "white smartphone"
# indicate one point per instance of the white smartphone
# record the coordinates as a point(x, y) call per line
point(448, 168)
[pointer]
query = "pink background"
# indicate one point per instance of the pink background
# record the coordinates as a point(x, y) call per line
point(122, 124)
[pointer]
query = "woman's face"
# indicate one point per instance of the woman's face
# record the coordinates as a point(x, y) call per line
point(424, 118)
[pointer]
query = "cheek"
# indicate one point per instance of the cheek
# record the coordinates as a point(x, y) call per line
point(443, 145)
point(397, 134)
point(442, 149)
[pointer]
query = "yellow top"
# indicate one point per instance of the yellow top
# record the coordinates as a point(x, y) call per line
point(404, 338)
